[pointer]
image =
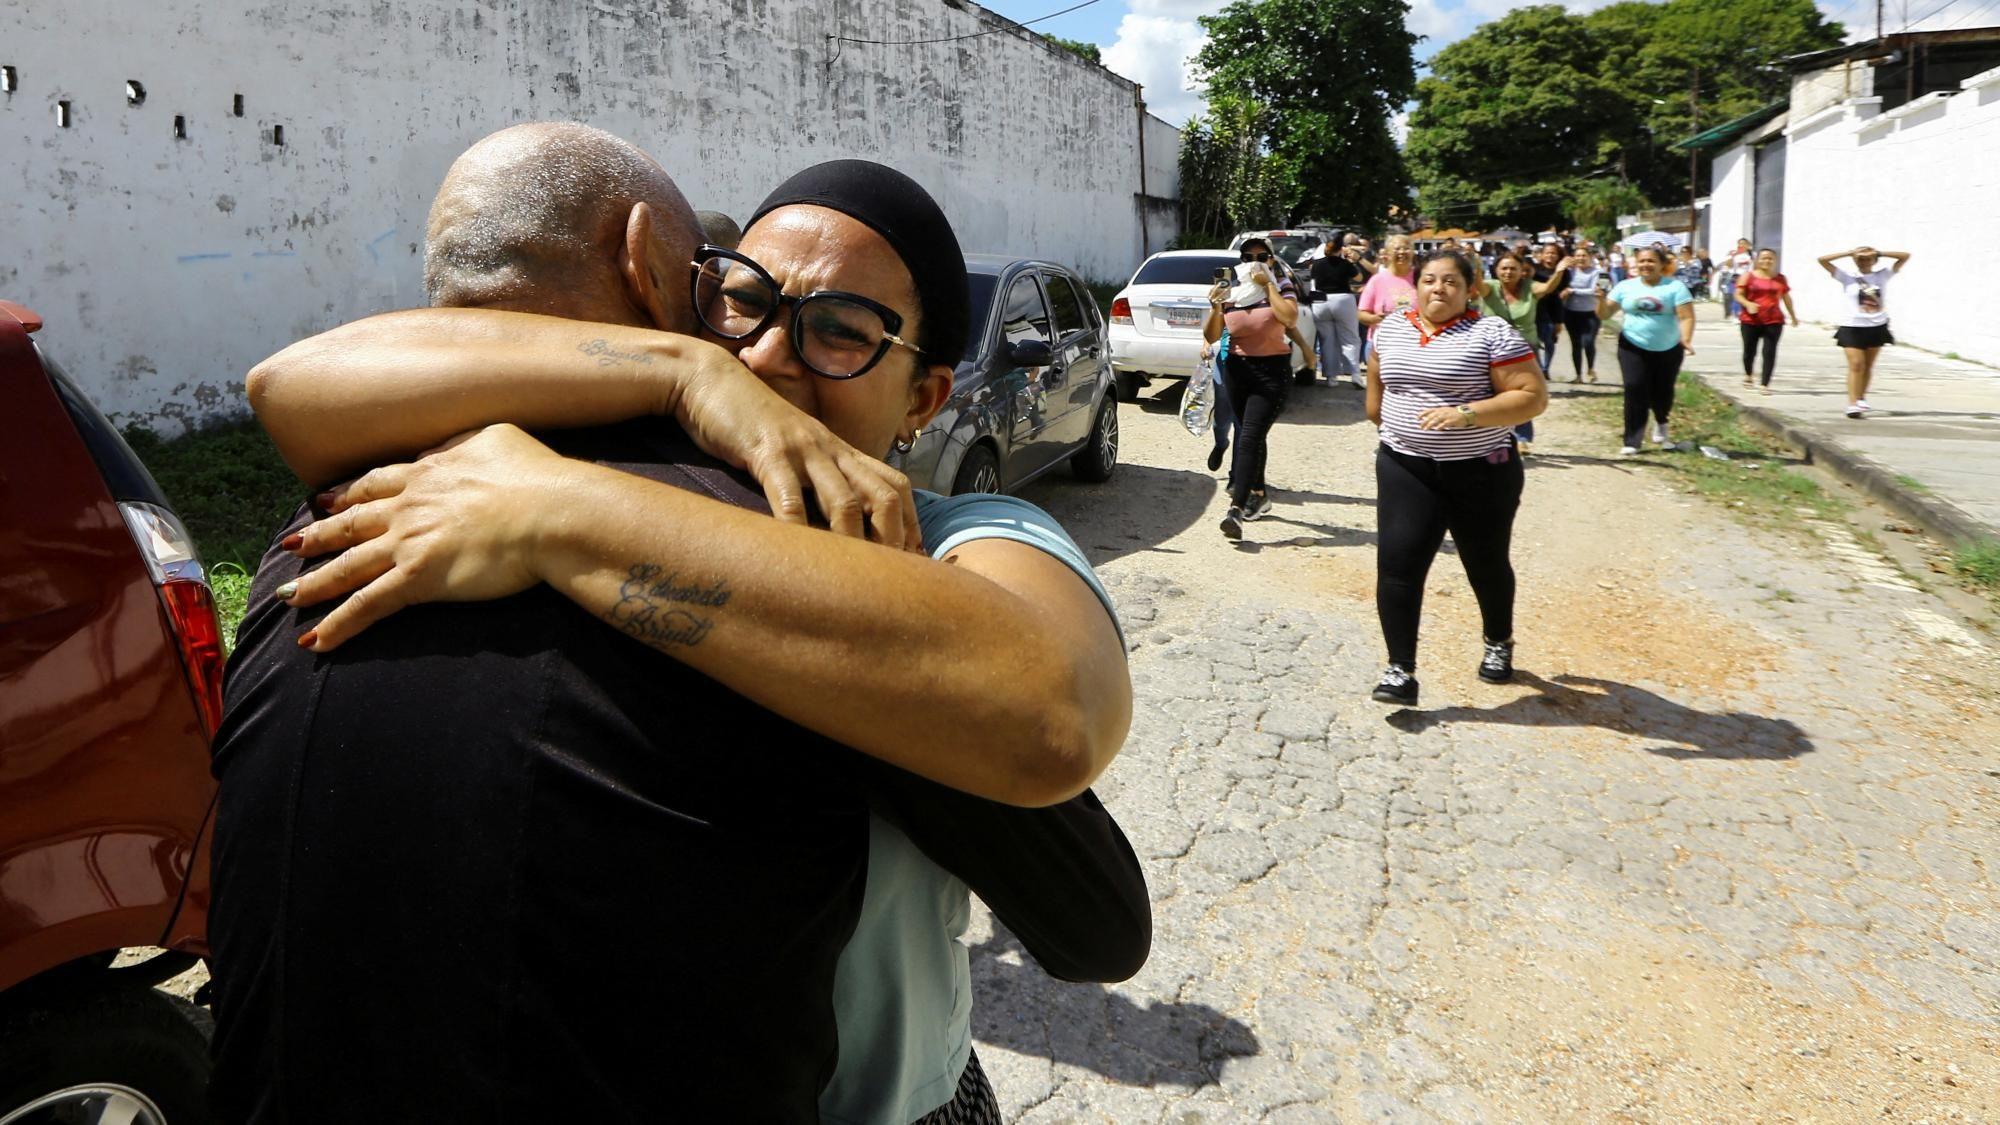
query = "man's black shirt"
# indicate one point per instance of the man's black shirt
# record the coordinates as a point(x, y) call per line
point(496, 862)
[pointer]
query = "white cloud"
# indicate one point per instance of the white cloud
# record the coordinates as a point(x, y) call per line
point(1154, 45)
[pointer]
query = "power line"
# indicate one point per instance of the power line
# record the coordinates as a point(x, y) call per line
point(973, 35)
point(1934, 12)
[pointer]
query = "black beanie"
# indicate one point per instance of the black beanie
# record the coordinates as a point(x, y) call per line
point(901, 211)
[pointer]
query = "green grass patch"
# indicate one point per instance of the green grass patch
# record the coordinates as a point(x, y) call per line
point(1757, 480)
point(232, 490)
point(1912, 483)
point(1979, 564)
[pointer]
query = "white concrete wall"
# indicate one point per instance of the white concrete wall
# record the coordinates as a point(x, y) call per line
point(1731, 198)
point(166, 267)
point(1921, 179)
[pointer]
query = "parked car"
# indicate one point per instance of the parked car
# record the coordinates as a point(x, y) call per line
point(110, 689)
point(1034, 390)
point(1156, 319)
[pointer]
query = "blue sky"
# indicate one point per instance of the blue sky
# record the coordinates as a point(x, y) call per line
point(1148, 40)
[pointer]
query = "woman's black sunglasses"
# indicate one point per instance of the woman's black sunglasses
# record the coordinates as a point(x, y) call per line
point(838, 335)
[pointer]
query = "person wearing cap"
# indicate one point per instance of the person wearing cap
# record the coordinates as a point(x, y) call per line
point(714, 742)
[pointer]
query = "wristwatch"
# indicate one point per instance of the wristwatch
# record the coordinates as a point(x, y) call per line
point(1470, 415)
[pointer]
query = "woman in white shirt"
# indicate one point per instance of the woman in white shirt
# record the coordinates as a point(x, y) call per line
point(1864, 320)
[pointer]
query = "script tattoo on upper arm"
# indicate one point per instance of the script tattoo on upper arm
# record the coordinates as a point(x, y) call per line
point(650, 606)
point(607, 355)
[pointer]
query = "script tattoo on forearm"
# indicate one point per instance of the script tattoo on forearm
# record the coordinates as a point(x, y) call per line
point(607, 355)
point(651, 602)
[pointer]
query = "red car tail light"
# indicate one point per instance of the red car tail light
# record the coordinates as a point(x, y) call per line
point(1121, 311)
point(184, 594)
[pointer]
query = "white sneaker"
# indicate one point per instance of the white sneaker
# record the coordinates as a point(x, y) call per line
point(1855, 410)
point(1862, 406)
point(1629, 451)
point(1660, 434)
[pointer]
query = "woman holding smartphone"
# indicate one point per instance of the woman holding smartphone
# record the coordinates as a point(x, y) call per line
point(1256, 312)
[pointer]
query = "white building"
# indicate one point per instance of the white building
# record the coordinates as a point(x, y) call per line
point(196, 183)
point(1894, 143)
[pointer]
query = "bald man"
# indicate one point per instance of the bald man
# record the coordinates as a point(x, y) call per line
point(494, 862)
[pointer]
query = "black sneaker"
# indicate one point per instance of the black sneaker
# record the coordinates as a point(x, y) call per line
point(1215, 455)
point(1258, 507)
point(1497, 666)
point(1232, 524)
point(1397, 686)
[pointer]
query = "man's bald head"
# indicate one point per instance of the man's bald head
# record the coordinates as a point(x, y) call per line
point(540, 215)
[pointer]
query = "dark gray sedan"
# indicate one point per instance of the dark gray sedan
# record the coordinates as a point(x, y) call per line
point(1034, 389)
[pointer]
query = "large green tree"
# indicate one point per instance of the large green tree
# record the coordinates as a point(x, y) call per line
point(1228, 181)
point(1518, 120)
point(1326, 76)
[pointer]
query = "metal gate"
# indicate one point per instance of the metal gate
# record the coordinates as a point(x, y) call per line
point(1768, 213)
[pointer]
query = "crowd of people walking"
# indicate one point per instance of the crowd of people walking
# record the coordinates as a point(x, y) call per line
point(1457, 349)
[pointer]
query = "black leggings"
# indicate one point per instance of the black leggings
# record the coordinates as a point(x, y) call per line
point(1649, 385)
point(1768, 333)
point(1582, 329)
point(1258, 386)
point(1417, 500)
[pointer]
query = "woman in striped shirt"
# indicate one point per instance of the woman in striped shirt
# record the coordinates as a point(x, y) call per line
point(1445, 387)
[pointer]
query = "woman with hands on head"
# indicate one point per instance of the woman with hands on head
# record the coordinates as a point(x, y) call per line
point(1445, 386)
point(1864, 320)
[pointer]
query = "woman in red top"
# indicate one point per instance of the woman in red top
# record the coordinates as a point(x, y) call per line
point(1758, 294)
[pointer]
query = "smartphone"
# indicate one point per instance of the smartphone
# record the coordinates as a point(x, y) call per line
point(1224, 275)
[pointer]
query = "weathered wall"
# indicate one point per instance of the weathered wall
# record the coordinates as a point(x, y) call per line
point(167, 266)
point(1915, 179)
point(1729, 199)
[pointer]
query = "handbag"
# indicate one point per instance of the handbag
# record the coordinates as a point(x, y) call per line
point(1198, 399)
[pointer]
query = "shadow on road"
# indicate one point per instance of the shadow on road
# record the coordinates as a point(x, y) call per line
point(1141, 507)
point(1091, 1026)
point(1628, 710)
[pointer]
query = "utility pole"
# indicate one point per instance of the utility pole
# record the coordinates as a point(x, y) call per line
point(1878, 19)
point(1694, 127)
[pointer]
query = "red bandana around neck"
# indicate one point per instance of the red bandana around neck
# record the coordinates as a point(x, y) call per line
point(1425, 335)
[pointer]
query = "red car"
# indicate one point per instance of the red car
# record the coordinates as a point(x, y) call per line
point(110, 689)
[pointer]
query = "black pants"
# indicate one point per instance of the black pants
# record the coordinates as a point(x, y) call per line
point(1768, 334)
point(1547, 330)
point(1582, 329)
point(1649, 385)
point(1417, 501)
point(1258, 386)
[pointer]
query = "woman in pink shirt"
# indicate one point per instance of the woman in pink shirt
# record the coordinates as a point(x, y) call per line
point(1257, 374)
point(1393, 288)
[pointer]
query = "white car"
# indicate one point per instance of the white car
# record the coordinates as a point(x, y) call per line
point(1156, 319)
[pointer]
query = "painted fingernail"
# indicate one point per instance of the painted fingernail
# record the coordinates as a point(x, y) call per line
point(292, 542)
point(310, 639)
point(324, 500)
point(284, 593)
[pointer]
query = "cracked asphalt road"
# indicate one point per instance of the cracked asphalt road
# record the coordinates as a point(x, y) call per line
point(1724, 853)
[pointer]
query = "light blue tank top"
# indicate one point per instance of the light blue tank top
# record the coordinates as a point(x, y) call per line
point(902, 989)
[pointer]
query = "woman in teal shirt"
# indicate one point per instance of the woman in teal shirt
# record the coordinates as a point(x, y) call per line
point(1510, 295)
point(1658, 333)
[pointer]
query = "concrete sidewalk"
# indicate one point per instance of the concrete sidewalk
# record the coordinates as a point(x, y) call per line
point(1930, 449)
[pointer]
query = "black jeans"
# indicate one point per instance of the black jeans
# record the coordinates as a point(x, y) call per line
point(1768, 334)
point(1582, 329)
point(1417, 501)
point(1649, 385)
point(1258, 386)
point(1547, 334)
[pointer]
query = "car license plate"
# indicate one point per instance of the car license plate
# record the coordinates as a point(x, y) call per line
point(1180, 318)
